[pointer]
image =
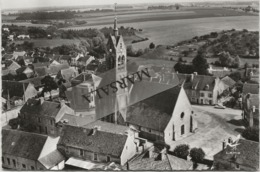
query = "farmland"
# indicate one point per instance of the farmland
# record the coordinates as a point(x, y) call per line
point(50, 42)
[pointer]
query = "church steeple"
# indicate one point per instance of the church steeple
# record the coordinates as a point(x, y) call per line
point(115, 24)
point(115, 28)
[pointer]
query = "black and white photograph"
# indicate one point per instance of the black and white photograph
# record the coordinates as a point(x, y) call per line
point(119, 85)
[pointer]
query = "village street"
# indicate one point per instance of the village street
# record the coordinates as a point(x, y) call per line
point(214, 126)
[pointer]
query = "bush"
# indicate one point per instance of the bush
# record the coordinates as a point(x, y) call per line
point(251, 133)
point(14, 123)
point(152, 46)
point(197, 155)
point(181, 151)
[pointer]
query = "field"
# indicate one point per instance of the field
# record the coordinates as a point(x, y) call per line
point(50, 42)
point(169, 27)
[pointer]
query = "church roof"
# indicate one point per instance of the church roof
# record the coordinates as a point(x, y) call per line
point(156, 111)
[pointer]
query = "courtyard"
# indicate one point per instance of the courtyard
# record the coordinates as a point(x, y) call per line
point(214, 126)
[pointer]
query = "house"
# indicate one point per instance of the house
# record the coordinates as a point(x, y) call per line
point(6, 29)
point(67, 74)
point(229, 82)
point(12, 65)
point(74, 59)
point(84, 61)
point(16, 91)
point(251, 110)
point(7, 57)
point(82, 77)
point(41, 64)
point(75, 96)
point(19, 53)
point(25, 70)
point(65, 59)
point(202, 89)
point(245, 157)
point(219, 71)
point(250, 88)
point(158, 159)
point(43, 115)
point(96, 146)
point(40, 71)
point(54, 69)
point(11, 37)
point(252, 74)
point(23, 37)
point(30, 151)
point(164, 117)
point(54, 62)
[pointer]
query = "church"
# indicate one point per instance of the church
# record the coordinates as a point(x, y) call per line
point(165, 115)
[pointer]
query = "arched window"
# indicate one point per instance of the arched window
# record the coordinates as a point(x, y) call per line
point(119, 60)
point(182, 115)
point(123, 59)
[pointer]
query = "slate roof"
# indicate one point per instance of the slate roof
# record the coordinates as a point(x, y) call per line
point(83, 77)
point(52, 159)
point(74, 120)
point(249, 154)
point(22, 144)
point(41, 71)
point(67, 74)
point(228, 81)
point(54, 69)
point(199, 82)
point(99, 142)
point(154, 112)
point(41, 64)
point(22, 69)
point(107, 127)
point(144, 162)
point(15, 88)
point(35, 81)
point(220, 73)
point(7, 56)
point(84, 59)
point(65, 57)
point(47, 108)
point(250, 88)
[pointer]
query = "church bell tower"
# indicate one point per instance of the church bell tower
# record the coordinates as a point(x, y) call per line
point(116, 60)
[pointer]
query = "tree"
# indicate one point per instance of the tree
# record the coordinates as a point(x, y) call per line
point(49, 85)
point(251, 133)
point(236, 76)
point(62, 88)
point(200, 64)
point(181, 151)
point(197, 155)
point(14, 123)
point(152, 45)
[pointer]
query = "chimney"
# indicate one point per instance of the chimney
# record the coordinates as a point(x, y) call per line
point(195, 73)
point(62, 103)
point(253, 108)
point(224, 145)
point(192, 77)
point(41, 100)
point(95, 129)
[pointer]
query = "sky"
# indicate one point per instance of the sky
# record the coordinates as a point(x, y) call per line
point(12, 4)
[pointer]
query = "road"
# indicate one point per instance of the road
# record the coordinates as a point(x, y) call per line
point(214, 126)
